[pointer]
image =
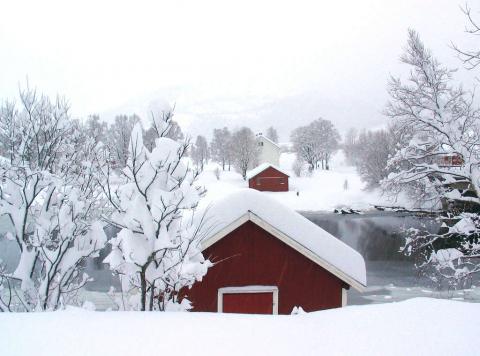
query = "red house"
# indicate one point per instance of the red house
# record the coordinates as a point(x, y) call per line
point(269, 259)
point(269, 178)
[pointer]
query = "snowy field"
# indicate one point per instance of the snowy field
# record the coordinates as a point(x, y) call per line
point(419, 326)
point(322, 191)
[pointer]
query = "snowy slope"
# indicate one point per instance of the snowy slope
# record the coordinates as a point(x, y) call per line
point(415, 327)
point(322, 191)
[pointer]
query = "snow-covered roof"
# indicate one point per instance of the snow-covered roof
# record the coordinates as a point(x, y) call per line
point(252, 173)
point(292, 228)
point(267, 139)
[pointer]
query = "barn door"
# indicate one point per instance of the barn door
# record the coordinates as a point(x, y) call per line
point(248, 300)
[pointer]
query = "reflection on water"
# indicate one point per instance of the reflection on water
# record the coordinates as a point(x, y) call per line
point(391, 276)
point(377, 235)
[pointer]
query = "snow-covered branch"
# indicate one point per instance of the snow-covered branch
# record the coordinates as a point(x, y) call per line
point(48, 194)
point(439, 161)
point(156, 250)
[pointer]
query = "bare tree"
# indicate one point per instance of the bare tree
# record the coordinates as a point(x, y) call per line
point(297, 167)
point(119, 137)
point(200, 152)
point(96, 129)
point(369, 153)
point(272, 134)
point(315, 143)
point(246, 150)
point(349, 145)
point(220, 146)
point(469, 57)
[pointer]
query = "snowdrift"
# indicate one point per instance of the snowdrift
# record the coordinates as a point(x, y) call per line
point(415, 327)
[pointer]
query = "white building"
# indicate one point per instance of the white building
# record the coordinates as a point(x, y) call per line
point(269, 150)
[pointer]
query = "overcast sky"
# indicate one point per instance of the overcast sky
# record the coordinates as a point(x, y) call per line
point(228, 63)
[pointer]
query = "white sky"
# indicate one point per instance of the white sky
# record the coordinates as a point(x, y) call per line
point(222, 62)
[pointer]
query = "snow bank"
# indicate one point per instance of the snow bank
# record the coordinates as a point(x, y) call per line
point(326, 246)
point(416, 327)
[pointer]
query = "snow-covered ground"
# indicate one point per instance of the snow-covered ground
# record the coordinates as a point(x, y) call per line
point(421, 326)
point(322, 191)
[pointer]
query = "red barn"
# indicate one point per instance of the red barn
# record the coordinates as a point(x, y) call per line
point(269, 259)
point(267, 177)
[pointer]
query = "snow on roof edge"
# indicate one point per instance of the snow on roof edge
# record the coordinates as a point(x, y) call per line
point(269, 140)
point(260, 168)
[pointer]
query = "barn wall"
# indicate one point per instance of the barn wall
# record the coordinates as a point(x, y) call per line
point(250, 255)
point(272, 186)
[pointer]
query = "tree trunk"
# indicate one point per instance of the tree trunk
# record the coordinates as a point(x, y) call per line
point(152, 295)
point(143, 289)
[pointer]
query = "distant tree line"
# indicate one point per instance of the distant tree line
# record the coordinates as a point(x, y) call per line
point(315, 143)
point(369, 151)
point(238, 149)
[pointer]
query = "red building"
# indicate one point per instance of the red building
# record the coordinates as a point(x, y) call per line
point(269, 178)
point(450, 160)
point(269, 259)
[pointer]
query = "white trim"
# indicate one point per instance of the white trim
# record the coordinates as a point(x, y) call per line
point(344, 297)
point(287, 240)
point(305, 251)
point(248, 289)
point(225, 231)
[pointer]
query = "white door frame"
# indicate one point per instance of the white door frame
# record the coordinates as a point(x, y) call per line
point(248, 289)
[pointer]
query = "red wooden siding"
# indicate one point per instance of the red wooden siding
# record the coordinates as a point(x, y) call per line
point(270, 180)
point(249, 256)
point(249, 303)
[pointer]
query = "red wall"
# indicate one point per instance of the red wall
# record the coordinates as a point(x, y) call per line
point(250, 255)
point(269, 185)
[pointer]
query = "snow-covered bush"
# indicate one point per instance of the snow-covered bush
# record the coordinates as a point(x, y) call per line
point(48, 193)
point(156, 252)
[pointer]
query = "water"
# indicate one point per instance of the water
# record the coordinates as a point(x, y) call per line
point(378, 237)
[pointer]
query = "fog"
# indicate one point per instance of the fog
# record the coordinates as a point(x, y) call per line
point(260, 64)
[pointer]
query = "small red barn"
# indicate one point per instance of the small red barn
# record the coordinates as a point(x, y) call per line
point(269, 178)
point(269, 259)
